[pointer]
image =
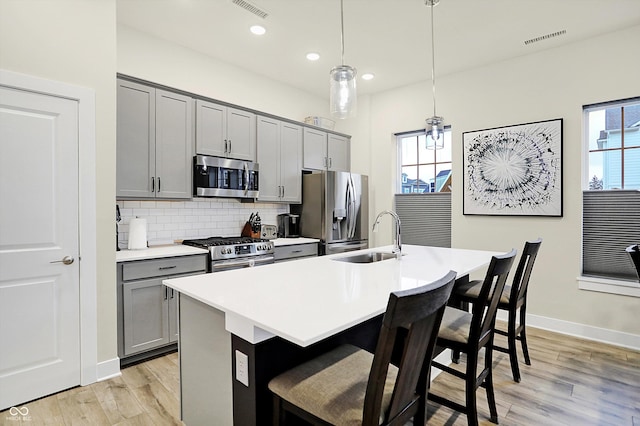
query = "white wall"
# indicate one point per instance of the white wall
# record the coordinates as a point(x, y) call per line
point(552, 84)
point(147, 57)
point(74, 41)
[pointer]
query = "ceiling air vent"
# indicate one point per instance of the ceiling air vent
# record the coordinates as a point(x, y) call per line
point(545, 37)
point(251, 8)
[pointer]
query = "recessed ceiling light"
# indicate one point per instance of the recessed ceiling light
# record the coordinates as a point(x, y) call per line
point(367, 76)
point(313, 56)
point(258, 29)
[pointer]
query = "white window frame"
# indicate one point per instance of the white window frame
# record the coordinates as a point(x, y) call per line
point(398, 178)
point(601, 284)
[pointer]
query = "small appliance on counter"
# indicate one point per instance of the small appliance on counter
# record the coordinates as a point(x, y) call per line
point(288, 225)
point(269, 232)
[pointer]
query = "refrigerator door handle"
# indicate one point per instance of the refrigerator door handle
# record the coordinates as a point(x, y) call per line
point(351, 223)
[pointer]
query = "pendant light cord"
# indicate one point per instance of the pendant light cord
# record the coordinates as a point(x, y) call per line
point(433, 60)
point(342, 28)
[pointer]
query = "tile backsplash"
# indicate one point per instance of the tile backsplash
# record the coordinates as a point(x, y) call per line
point(168, 221)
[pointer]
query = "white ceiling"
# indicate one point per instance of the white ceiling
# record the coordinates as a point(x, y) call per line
point(390, 38)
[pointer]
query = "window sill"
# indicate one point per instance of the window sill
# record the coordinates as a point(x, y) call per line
point(603, 285)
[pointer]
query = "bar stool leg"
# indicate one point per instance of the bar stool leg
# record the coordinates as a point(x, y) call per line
point(523, 334)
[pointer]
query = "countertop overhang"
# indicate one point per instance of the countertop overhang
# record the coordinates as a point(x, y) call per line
point(310, 299)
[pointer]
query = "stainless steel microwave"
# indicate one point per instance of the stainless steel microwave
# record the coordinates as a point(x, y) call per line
point(224, 177)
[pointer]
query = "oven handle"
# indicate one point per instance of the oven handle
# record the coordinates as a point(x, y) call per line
point(241, 263)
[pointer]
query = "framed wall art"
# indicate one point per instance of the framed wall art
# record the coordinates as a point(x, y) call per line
point(513, 170)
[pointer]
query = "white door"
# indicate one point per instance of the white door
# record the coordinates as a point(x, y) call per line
point(39, 294)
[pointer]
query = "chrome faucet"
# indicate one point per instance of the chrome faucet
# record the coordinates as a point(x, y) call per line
point(397, 244)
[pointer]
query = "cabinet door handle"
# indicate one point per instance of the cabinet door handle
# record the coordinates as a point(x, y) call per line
point(229, 146)
point(153, 184)
point(296, 251)
point(163, 268)
point(226, 144)
point(330, 162)
point(282, 191)
point(158, 184)
point(166, 292)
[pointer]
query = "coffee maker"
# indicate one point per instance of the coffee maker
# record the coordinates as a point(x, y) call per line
point(288, 225)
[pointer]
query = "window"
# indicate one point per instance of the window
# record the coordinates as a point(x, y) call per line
point(422, 170)
point(613, 132)
point(611, 200)
point(423, 190)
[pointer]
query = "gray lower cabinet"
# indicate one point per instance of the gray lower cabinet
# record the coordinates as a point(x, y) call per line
point(147, 310)
point(294, 252)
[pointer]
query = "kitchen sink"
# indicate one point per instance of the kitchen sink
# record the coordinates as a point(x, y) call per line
point(371, 257)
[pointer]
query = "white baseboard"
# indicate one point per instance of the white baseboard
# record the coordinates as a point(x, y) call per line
point(108, 369)
point(603, 335)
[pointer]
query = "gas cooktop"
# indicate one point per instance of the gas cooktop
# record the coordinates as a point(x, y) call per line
point(226, 248)
point(222, 241)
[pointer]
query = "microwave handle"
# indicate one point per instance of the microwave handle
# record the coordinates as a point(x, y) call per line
point(246, 178)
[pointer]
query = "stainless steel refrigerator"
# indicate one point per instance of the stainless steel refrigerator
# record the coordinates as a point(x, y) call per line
point(335, 209)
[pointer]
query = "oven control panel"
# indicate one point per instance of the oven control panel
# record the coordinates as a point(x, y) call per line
point(241, 250)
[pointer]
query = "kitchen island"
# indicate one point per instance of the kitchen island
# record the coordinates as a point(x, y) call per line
point(240, 328)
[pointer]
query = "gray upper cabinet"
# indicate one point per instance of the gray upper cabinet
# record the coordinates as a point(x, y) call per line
point(315, 149)
point(223, 131)
point(279, 154)
point(325, 151)
point(338, 153)
point(154, 142)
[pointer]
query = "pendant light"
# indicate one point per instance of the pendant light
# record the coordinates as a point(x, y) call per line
point(434, 125)
point(342, 83)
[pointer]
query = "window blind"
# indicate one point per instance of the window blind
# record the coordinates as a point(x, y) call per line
point(425, 218)
point(610, 223)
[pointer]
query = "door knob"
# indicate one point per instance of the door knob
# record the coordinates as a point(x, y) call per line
point(67, 260)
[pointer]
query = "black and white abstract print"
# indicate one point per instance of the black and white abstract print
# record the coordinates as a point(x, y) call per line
point(514, 170)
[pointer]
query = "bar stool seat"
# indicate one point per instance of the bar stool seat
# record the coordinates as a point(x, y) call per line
point(512, 300)
point(350, 386)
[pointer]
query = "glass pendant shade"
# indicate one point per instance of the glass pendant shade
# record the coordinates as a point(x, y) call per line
point(342, 91)
point(435, 132)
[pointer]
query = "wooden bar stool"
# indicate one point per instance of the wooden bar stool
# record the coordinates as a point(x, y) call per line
point(468, 333)
point(514, 298)
point(350, 386)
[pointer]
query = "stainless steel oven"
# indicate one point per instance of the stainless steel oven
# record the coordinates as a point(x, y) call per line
point(226, 253)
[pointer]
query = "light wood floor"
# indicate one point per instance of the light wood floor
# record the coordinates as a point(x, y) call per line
point(570, 382)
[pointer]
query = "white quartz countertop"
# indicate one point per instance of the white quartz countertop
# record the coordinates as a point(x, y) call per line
point(158, 252)
point(307, 300)
point(293, 241)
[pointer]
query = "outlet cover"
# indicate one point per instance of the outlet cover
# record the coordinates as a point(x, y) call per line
point(242, 368)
